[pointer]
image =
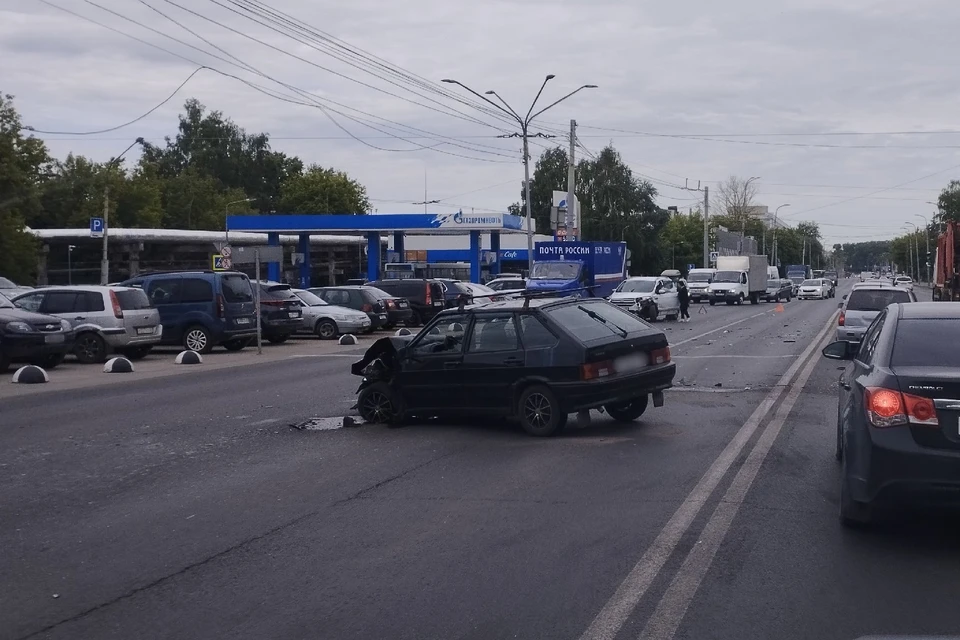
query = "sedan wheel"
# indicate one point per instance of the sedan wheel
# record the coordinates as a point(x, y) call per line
point(90, 348)
point(539, 412)
point(627, 411)
point(197, 339)
point(326, 330)
point(376, 404)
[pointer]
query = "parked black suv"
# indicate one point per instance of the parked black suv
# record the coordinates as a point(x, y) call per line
point(32, 337)
point(426, 296)
point(280, 311)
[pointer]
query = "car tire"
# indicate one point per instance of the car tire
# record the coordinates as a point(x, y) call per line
point(326, 329)
point(378, 404)
point(539, 411)
point(197, 338)
point(740, 300)
point(713, 302)
point(135, 353)
point(415, 319)
point(627, 411)
point(853, 514)
point(90, 348)
point(237, 344)
point(278, 338)
point(51, 361)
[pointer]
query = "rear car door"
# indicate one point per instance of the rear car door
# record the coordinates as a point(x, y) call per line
point(853, 380)
point(494, 361)
point(238, 304)
point(431, 373)
point(66, 305)
point(669, 299)
point(139, 316)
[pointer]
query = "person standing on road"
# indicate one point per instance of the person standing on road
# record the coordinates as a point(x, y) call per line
point(683, 295)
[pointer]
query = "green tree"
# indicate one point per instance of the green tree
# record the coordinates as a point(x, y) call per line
point(949, 203)
point(23, 164)
point(549, 175)
point(681, 241)
point(320, 190)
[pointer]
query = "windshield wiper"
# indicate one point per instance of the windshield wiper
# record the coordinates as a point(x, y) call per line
point(597, 316)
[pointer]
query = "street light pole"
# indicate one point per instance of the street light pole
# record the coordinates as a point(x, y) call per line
point(524, 123)
point(926, 235)
point(226, 208)
point(775, 214)
point(743, 214)
point(70, 248)
point(104, 258)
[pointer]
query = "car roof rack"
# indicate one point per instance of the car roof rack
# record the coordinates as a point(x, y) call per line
point(530, 295)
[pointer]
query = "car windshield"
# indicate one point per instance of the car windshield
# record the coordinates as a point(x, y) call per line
point(555, 270)
point(811, 283)
point(699, 277)
point(236, 288)
point(636, 286)
point(773, 284)
point(926, 342)
point(875, 299)
point(727, 276)
point(310, 299)
point(7, 284)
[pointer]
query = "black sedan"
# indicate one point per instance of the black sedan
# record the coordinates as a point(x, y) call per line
point(536, 360)
point(897, 418)
point(32, 337)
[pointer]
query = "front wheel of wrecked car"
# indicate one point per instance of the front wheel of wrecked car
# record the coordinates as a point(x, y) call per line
point(378, 404)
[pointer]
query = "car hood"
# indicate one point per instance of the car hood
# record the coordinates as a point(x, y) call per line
point(22, 315)
point(335, 310)
point(385, 349)
point(631, 295)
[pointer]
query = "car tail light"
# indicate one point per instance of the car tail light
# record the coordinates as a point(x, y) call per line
point(271, 303)
point(884, 407)
point(117, 311)
point(429, 298)
point(367, 308)
point(391, 304)
point(841, 319)
point(660, 356)
point(920, 410)
point(594, 370)
point(221, 306)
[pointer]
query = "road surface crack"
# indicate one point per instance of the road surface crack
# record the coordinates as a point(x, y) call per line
point(386, 481)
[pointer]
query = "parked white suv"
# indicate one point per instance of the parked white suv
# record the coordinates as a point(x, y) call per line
point(635, 295)
point(106, 319)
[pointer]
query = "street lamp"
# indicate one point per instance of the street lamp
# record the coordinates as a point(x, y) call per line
point(743, 220)
point(926, 234)
point(775, 213)
point(104, 259)
point(524, 123)
point(916, 251)
point(70, 248)
point(226, 207)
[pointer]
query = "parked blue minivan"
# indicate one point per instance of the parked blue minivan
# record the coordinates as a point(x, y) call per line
point(202, 309)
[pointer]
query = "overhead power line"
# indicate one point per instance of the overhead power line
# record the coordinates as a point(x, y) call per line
point(813, 134)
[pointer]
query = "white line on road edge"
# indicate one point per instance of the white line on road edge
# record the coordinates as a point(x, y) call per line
point(788, 355)
point(736, 322)
point(616, 611)
point(666, 618)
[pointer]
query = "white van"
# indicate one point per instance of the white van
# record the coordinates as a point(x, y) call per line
point(697, 282)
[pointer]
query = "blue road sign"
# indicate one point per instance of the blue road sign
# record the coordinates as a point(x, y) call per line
point(691, 266)
point(96, 226)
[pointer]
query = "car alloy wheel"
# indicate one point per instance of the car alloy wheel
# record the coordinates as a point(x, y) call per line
point(90, 348)
point(376, 404)
point(539, 412)
point(196, 339)
point(326, 330)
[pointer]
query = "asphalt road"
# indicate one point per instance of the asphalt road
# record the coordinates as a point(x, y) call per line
point(187, 507)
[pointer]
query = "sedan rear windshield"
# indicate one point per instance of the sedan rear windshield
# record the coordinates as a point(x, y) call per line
point(132, 299)
point(589, 321)
point(875, 299)
point(236, 288)
point(926, 343)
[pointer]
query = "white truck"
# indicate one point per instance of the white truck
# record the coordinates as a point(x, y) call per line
point(698, 280)
point(739, 278)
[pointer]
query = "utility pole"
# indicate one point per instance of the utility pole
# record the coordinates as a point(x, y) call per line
point(568, 220)
point(706, 227)
point(104, 259)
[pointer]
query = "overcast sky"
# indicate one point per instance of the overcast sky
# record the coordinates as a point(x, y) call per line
point(740, 75)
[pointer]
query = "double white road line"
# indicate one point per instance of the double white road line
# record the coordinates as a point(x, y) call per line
point(669, 612)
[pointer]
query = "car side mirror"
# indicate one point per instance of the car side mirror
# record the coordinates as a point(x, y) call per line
point(845, 296)
point(659, 290)
point(840, 350)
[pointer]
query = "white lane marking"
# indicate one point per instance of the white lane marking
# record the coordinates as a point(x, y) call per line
point(721, 328)
point(260, 423)
point(324, 355)
point(666, 618)
point(623, 602)
point(788, 355)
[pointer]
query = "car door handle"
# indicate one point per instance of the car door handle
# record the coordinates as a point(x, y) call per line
point(451, 365)
point(513, 362)
point(80, 318)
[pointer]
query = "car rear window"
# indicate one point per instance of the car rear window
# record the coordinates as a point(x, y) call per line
point(377, 293)
point(926, 342)
point(196, 290)
point(132, 299)
point(875, 299)
point(582, 321)
point(236, 288)
point(280, 291)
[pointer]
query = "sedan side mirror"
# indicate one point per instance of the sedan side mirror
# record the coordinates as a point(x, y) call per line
point(840, 350)
point(845, 296)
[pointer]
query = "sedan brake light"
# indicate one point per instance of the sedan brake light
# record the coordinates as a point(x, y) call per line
point(660, 356)
point(594, 370)
point(889, 408)
point(367, 308)
point(391, 304)
point(842, 318)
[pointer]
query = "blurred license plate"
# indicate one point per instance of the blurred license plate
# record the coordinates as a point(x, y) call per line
point(402, 305)
point(243, 320)
point(631, 362)
point(54, 339)
point(383, 316)
point(143, 331)
point(294, 314)
point(438, 304)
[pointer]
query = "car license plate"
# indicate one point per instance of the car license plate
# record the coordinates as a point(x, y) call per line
point(402, 305)
point(383, 316)
point(438, 304)
point(294, 314)
point(144, 331)
point(54, 339)
point(243, 320)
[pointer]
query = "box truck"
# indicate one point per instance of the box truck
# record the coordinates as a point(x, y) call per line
point(739, 278)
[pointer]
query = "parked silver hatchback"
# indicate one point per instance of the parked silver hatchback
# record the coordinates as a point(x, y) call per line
point(106, 319)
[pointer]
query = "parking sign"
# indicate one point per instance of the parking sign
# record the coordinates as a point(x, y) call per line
point(96, 227)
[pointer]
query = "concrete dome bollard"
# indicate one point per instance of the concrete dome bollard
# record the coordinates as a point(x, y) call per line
point(348, 339)
point(188, 357)
point(30, 374)
point(403, 331)
point(118, 365)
